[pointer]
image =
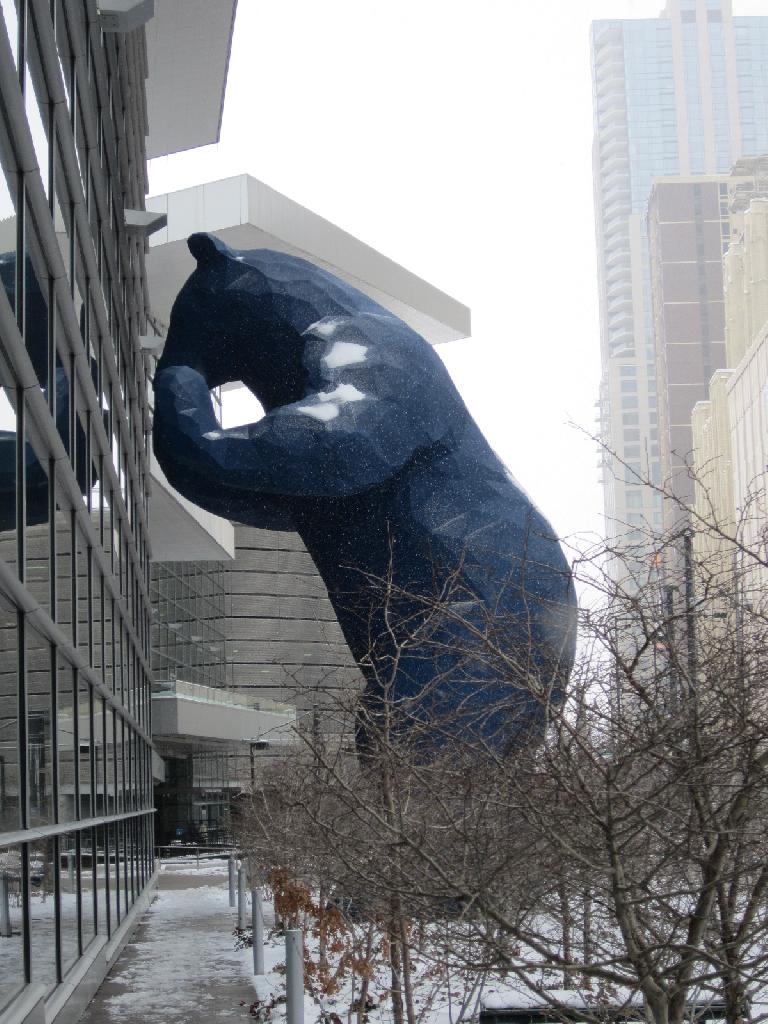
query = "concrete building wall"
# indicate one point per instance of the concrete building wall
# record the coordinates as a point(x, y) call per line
point(283, 639)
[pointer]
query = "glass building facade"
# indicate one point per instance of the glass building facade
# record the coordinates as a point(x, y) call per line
point(189, 612)
point(682, 94)
point(76, 826)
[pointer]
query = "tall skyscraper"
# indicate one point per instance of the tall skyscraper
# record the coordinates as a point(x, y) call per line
point(688, 232)
point(682, 94)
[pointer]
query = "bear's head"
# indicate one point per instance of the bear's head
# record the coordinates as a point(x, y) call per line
point(242, 316)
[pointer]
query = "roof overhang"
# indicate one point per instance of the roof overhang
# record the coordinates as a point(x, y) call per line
point(178, 716)
point(247, 214)
point(188, 47)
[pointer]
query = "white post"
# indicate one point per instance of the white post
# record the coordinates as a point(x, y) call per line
point(294, 976)
point(241, 904)
point(231, 879)
point(257, 926)
point(5, 912)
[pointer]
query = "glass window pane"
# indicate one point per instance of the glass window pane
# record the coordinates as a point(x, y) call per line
point(66, 741)
point(42, 904)
point(9, 739)
point(8, 419)
point(69, 900)
point(8, 9)
point(87, 885)
point(98, 749)
point(11, 924)
point(101, 880)
point(110, 763)
point(125, 867)
point(37, 533)
point(108, 643)
point(36, 307)
point(63, 393)
point(82, 590)
point(84, 741)
point(96, 619)
point(8, 234)
point(62, 220)
point(114, 887)
point(39, 727)
point(38, 119)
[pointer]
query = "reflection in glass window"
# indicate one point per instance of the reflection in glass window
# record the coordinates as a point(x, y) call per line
point(96, 618)
point(42, 912)
point(125, 866)
point(98, 749)
point(66, 741)
point(69, 900)
point(62, 225)
point(109, 761)
point(83, 588)
point(114, 879)
point(8, 236)
point(102, 868)
point(11, 924)
point(38, 119)
point(39, 728)
point(9, 706)
point(119, 767)
point(10, 18)
point(36, 312)
point(8, 420)
point(38, 568)
point(62, 393)
point(84, 745)
point(87, 885)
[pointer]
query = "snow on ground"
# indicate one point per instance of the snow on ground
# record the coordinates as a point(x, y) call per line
point(182, 967)
point(438, 1000)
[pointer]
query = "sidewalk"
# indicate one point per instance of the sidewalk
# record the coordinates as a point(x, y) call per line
point(181, 966)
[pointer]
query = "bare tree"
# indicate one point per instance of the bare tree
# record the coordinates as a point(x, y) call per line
point(618, 847)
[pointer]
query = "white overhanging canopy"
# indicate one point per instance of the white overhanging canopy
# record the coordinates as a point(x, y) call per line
point(246, 214)
point(188, 46)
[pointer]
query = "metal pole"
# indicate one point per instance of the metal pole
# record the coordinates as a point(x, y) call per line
point(231, 879)
point(241, 905)
point(71, 869)
point(5, 912)
point(294, 976)
point(257, 925)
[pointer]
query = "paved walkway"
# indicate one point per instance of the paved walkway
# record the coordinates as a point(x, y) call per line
point(181, 966)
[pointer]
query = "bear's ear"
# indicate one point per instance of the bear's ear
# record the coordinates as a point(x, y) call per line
point(206, 248)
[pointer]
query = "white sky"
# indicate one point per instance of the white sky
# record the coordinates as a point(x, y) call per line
point(455, 137)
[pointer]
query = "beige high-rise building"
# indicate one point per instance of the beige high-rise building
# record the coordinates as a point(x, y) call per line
point(730, 428)
point(682, 94)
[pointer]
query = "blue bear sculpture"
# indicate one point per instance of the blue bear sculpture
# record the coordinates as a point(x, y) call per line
point(450, 587)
